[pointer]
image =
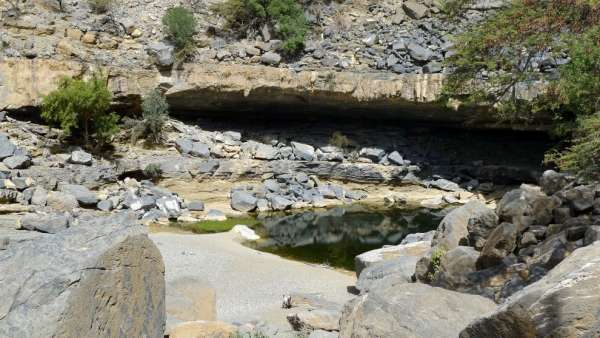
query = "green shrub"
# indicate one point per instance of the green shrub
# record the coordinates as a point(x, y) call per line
point(180, 26)
point(285, 17)
point(340, 140)
point(505, 47)
point(82, 107)
point(153, 171)
point(436, 261)
point(100, 6)
point(155, 111)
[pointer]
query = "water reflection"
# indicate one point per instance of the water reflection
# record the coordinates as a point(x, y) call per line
point(335, 236)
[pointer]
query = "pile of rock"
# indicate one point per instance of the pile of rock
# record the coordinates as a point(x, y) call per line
point(538, 249)
point(289, 191)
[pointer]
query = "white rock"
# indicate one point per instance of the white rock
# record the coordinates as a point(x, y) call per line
point(245, 232)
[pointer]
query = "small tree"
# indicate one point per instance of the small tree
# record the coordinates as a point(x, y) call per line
point(155, 112)
point(82, 106)
point(180, 26)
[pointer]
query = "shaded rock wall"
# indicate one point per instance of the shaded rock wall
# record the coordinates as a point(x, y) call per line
point(202, 89)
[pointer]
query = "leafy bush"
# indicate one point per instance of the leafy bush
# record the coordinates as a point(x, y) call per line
point(285, 17)
point(100, 6)
point(499, 56)
point(152, 171)
point(436, 261)
point(180, 26)
point(155, 112)
point(82, 107)
point(340, 140)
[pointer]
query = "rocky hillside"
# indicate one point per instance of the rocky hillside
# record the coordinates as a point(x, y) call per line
point(359, 58)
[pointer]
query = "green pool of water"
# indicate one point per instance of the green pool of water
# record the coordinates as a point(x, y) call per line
point(335, 236)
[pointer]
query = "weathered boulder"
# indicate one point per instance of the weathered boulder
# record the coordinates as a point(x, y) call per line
point(364, 260)
point(303, 151)
point(592, 234)
point(102, 278)
point(581, 198)
point(455, 267)
point(52, 223)
point(266, 152)
point(17, 162)
point(454, 228)
point(501, 243)
point(390, 272)
point(415, 10)
point(526, 206)
point(82, 194)
point(552, 182)
point(411, 310)
point(61, 201)
point(7, 148)
point(195, 205)
point(564, 303)
point(308, 320)
point(80, 157)
point(243, 201)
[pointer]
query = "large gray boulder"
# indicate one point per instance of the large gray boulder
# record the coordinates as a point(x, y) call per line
point(101, 278)
point(565, 303)
point(366, 259)
point(411, 310)
point(455, 267)
point(303, 151)
point(84, 196)
point(7, 148)
point(454, 228)
point(243, 201)
point(398, 270)
point(501, 243)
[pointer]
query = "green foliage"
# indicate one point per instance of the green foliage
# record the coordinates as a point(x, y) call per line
point(153, 171)
point(436, 261)
point(340, 140)
point(285, 17)
point(180, 26)
point(155, 112)
point(494, 61)
point(99, 6)
point(82, 106)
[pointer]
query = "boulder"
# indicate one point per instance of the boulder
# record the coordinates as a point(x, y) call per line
point(395, 158)
point(411, 310)
point(163, 54)
point(17, 162)
point(453, 229)
point(51, 224)
point(83, 195)
point(215, 215)
point(169, 205)
point(419, 53)
point(243, 201)
point(552, 182)
point(373, 154)
point(270, 58)
point(195, 205)
point(280, 203)
point(581, 198)
point(564, 303)
point(526, 206)
point(395, 271)
point(266, 152)
point(592, 234)
point(303, 151)
point(61, 201)
point(479, 228)
point(364, 260)
point(7, 148)
point(444, 184)
point(319, 319)
point(39, 196)
point(80, 157)
point(455, 267)
point(95, 277)
point(105, 205)
point(189, 147)
point(415, 10)
point(501, 243)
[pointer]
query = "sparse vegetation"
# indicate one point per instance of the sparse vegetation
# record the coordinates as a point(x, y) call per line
point(153, 171)
point(501, 56)
point(155, 110)
point(81, 107)
point(284, 17)
point(340, 140)
point(436, 261)
point(180, 27)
